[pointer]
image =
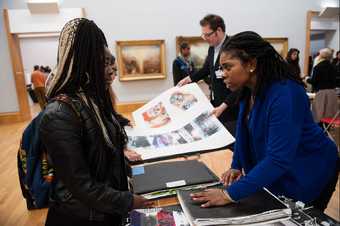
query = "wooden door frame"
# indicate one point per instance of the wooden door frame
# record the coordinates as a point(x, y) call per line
point(24, 112)
point(310, 15)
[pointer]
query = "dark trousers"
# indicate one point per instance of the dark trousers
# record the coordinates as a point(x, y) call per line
point(55, 218)
point(322, 201)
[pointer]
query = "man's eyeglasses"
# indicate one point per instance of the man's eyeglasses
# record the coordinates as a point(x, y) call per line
point(207, 35)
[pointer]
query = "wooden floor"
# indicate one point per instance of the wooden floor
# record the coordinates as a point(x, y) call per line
point(13, 210)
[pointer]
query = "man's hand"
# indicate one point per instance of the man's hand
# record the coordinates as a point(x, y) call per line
point(211, 197)
point(219, 110)
point(141, 202)
point(132, 155)
point(184, 81)
point(230, 176)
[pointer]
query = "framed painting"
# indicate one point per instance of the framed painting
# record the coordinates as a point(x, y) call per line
point(141, 59)
point(280, 45)
point(198, 48)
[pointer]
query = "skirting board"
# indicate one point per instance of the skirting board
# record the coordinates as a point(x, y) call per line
point(11, 117)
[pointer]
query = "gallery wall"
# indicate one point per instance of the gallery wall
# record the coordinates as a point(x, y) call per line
point(7, 85)
point(155, 19)
point(38, 51)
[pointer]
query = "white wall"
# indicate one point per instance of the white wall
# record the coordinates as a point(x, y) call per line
point(8, 100)
point(23, 21)
point(332, 39)
point(155, 19)
point(38, 51)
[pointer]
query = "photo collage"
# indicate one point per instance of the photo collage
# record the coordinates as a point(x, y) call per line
point(157, 115)
point(201, 127)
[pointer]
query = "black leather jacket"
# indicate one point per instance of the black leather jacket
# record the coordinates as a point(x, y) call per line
point(71, 141)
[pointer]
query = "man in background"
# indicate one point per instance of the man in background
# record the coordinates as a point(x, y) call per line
point(38, 80)
point(222, 98)
point(183, 65)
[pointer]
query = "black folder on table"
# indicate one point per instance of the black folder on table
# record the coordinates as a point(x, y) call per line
point(162, 176)
point(257, 208)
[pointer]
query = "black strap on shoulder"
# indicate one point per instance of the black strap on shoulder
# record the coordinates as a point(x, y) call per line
point(68, 100)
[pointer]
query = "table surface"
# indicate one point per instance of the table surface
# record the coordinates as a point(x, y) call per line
point(219, 162)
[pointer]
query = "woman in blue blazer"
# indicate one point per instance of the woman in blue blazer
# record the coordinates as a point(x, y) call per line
point(278, 146)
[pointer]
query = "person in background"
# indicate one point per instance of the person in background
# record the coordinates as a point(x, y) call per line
point(332, 54)
point(336, 64)
point(323, 80)
point(278, 145)
point(47, 70)
point(42, 68)
point(84, 140)
point(293, 62)
point(110, 75)
point(38, 80)
point(183, 65)
point(222, 98)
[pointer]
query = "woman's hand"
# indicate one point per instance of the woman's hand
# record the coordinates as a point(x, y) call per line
point(211, 197)
point(219, 110)
point(132, 155)
point(141, 202)
point(184, 81)
point(230, 176)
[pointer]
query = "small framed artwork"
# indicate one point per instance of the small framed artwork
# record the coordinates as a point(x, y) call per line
point(198, 48)
point(280, 45)
point(141, 59)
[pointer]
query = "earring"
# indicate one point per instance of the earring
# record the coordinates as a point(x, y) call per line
point(251, 70)
point(87, 78)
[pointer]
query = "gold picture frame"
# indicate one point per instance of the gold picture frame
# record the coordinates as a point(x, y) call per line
point(199, 49)
point(279, 44)
point(141, 59)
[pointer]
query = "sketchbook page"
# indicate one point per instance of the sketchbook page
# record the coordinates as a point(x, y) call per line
point(199, 133)
point(172, 108)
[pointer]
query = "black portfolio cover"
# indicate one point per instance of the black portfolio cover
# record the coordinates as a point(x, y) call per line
point(255, 204)
point(156, 176)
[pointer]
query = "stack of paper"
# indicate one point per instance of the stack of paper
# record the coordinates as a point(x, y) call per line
point(262, 207)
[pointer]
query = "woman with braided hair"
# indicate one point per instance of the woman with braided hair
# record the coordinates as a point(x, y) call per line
point(83, 135)
point(278, 146)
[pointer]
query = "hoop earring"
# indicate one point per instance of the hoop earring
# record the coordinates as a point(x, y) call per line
point(87, 78)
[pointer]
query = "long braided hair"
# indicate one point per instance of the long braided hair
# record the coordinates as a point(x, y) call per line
point(270, 66)
point(80, 72)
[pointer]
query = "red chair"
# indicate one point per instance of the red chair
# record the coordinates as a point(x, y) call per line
point(331, 123)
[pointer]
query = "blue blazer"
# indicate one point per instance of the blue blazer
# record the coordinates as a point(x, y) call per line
point(281, 148)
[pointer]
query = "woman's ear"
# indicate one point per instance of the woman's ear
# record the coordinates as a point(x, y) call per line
point(252, 65)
